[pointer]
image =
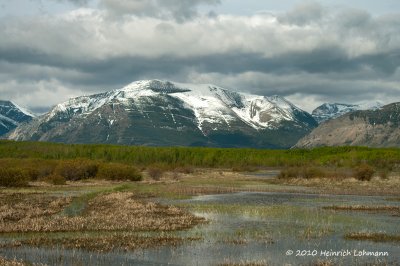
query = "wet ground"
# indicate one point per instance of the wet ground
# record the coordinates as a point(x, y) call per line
point(272, 228)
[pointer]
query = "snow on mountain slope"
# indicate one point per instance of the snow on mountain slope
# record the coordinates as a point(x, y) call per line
point(163, 113)
point(329, 111)
point(210, 103)
point(11, 115)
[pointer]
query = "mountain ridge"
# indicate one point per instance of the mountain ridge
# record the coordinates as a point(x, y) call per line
point(329, 111)
point(374, 128)
point(202, 114)
point(11, 115)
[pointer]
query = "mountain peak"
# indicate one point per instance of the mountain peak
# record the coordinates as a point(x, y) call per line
point(329, 111)
point(11, 115)
point(151, 108)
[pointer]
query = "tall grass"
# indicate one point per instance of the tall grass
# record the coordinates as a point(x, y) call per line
point(387, 158)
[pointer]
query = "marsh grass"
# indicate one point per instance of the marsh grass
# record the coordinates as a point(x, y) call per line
point(13, 262)
point(119, 241)
point(114, 211)
point(323, 263)
point(375, 237)
point(395, 210)
point(228, 262)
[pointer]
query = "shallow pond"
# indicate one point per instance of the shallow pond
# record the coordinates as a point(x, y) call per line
point(256, 227)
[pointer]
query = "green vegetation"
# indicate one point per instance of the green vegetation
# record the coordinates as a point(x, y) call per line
point(56, 163)
point(19, 172)
point(385, 158)
point(13, 177)
point(117, 171)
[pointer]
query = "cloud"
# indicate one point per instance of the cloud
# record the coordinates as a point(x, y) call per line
point(304, 13)
point(310, 52)
point(76, 2)
point(180, 10)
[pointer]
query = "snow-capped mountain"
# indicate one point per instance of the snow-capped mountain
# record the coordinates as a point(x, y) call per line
point(329, 111)
point(11, 115)
point(155, 112)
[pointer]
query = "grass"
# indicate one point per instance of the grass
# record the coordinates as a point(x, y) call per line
point(374, 237)
point(376, 186)
point(173, 157)
point(14, 262)
point(119, 241)
point(243, 263)
point(384, 208)
point(114, 211)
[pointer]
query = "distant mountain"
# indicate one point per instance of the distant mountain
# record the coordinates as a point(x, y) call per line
point(164, 113)
point(11, 115)
point(329, 111)
point(373, 128)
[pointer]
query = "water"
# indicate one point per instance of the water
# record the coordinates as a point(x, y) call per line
point(249, 226)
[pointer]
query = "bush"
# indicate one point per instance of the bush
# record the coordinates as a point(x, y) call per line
point(313, 172)
point(155, 172)
point(115, 171)
point(290, 172)
point(13, 177)
point(54, 179)
point(302, 172)
point(364, 172)
point(74, 170)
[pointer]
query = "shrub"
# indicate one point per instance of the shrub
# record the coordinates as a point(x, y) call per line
point(313, 172)
point(54, 179)
point(364, 172)
point(13, 177)
point(116, 171)
point(290, 172)
point(74, 170)
point(155, 172)
point(302, 172)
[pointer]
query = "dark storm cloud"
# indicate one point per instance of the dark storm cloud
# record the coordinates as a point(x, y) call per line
point(309, 53)
point(122, 69)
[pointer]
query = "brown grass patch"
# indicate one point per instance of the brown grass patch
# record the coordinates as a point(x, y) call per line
point(391, 209)
point(323, 263)
point(110, 212)
point(14, 262)
point(114, 242)
point(375, 237)
point(351, 186)
point(243, 263)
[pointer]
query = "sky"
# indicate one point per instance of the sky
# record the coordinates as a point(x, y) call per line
point(310, 52)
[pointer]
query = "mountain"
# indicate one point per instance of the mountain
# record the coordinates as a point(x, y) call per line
point(163, 113)
point(11, 115)
point(373, 128)
point(329, 111)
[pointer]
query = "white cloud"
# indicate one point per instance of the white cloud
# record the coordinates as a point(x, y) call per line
point(311, 52)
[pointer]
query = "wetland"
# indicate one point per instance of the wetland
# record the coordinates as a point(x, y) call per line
point(207, 217)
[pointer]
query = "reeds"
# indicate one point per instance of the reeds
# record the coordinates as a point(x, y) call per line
point(110, 212)
point(375, 237)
